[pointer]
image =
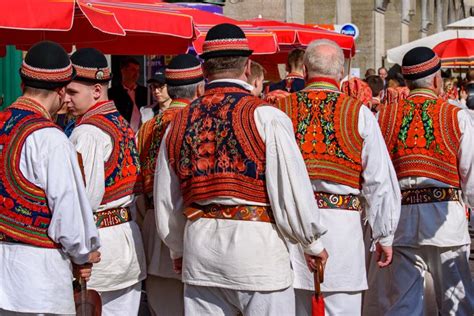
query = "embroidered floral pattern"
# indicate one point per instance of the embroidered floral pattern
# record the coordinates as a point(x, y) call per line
point(24, 212)
point(122, 169)
point(326, 130)
point(422, 136)
point(215, 148)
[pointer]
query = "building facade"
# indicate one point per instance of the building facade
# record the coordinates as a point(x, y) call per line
point(383, 24)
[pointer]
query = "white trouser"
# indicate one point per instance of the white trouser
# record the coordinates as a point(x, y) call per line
point(335, 303)
point(124, 302)
point(165, 296)
point(404, 281)
point(202, 300)
point(4, 312)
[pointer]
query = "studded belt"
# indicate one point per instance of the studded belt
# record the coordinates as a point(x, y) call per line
point(430, 195)
point(112, 217)
point(338, 201)
point(230, 212)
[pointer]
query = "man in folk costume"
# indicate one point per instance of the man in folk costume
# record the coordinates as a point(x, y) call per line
point(350, 171)
point(185, 82)
point(111, 166)
point(230, 163)
point(294, 80)
point(430, 142)
point(45, 218)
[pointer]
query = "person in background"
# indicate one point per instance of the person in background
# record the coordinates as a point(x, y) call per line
point(46, 221)
point(129, 96)
point(112, 175)
point(369, 72)
point(256, 78)
point(161, 98)
point(185, 82)
point(376, 85)
point(382, 72)
point(294, 80)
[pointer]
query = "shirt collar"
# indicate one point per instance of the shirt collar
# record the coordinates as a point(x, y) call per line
point(322, 83)
point(241, 83)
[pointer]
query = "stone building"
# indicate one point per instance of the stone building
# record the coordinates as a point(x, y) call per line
point(383, 24)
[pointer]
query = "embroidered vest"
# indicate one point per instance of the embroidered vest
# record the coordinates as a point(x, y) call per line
point(422, 135)
point(215, 149)
point(149, 141)
point(122, 169)
point(326, 122)
point(24, 213)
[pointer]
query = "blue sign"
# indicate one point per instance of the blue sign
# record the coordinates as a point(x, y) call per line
point(350, 30)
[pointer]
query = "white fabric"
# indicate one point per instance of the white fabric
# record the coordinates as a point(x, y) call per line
point(38, 280)
point(452, 280)
point(165, 296)
point(146, 112)
point(335, 303)
point(135, 119)
point(123, 259)
point(10, 313)
point(244, 255)
point(203, 301)
point(124, 302)
point(441, 224)
point(345, 269)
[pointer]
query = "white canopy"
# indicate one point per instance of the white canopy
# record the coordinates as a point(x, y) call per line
point(460, 29)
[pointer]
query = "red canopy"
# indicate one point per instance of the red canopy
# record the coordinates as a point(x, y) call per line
point(150, 27)
point(260, 41)
point(456, 52)
point(294, 34)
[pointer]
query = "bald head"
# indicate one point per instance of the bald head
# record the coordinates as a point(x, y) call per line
point(324, 58)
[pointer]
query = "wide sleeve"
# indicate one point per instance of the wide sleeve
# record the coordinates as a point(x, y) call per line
point(168, 200)
point(380, 186)
point(94, 146)
point(289, 188)
point(57, 172)
point(466, 157)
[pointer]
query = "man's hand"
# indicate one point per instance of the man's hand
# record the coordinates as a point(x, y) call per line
point(384, 255)
point(311, 260)
point(94, 257)
point(178, 265)
point(82, 271)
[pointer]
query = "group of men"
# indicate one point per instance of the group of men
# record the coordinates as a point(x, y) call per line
point(238, 201)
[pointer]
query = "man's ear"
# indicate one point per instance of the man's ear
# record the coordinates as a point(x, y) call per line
point(97, 91)
point(248, 68)
point(200, 90)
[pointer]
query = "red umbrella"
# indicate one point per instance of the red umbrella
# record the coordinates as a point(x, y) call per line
point(294, 34)
point(318, 300)
point(261, 41)
point(114, 26)
point(456, 52)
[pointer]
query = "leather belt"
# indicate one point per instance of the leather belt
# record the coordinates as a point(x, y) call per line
point(338, 201)
point(430, 195)
point(232, 212)
point(112, 217)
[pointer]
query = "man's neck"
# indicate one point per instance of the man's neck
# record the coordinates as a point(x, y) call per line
point(165, 104)
point(129, 84)
point(49, 102)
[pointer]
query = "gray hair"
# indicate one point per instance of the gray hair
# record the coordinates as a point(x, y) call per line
point(324, 58)
point(184, 92)
point(425, 82)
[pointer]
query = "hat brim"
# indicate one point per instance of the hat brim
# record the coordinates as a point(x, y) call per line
point(175, 83)
point(46, 85)
point(226, 53)
point(152, 80)
point(423, 74)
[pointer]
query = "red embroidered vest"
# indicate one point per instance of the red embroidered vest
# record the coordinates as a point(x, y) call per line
point(422, 135)
point(149, 140)
point(215, 149)
point(122, 169)
point(24, 213)
point(326, 122)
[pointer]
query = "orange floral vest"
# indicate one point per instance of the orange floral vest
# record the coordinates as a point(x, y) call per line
point(149, 140)
point(326, 129)
point(122, 169)
point(422, 135)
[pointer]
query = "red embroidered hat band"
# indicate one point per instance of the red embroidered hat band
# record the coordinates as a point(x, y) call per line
point(225, 40)
point(183, 70)
point(420, 62)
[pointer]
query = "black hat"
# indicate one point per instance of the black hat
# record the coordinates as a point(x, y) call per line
point(46, 66)
point(158, 77)
point(91, 65)
point(420, 62)
point(183, 69)
point(225, 40)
